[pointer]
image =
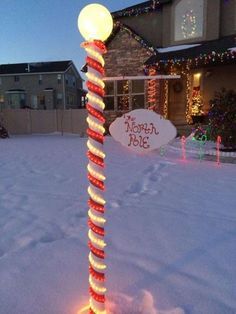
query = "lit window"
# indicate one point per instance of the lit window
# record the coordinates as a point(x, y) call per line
point(124, 95)
point(188, 19)
point(41, 100)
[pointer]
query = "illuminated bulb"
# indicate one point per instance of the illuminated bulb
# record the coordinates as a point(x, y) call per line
point(96, 100)
point(95, 151)
point(100, 266)
point(95, 125)
point(96, 288)
point(95, 240)
point(95, 79)
point(95, 22)
point(95, 173)
point(95, 55)
point(95, 197)
point(97, 219)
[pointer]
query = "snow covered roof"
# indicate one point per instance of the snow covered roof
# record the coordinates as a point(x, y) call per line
point(176, 48)
point(209, 49)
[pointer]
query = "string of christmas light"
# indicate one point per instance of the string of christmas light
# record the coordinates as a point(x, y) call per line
point(154, 5)
point(124, 103)
point(189, 24)
point(95, 131)
point(152, 91)
point(166, 96)
point(202, 59)
point(188, 99)
point(144, 43)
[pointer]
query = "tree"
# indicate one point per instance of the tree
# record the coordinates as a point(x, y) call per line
point(197, 103)
point(222, 118)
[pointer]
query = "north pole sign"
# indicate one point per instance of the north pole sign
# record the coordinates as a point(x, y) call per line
point(142, 130)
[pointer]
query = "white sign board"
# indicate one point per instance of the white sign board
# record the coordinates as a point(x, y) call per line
point(142, 130)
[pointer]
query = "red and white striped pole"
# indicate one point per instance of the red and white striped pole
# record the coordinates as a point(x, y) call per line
point(95, 24)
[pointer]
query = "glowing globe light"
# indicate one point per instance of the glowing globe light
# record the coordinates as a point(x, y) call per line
point(95, 22)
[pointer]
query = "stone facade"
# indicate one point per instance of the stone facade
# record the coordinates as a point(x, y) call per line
point(125, 56)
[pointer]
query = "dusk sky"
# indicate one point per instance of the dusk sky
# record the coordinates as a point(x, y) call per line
point(45, 30)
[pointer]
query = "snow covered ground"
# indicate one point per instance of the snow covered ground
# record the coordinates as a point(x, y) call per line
point(171, 229)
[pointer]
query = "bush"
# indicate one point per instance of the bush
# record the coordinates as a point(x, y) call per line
point(3, 132)
point(222, 118)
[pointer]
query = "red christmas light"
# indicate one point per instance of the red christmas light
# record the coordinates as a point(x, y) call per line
point(100, 231)
point(95, 89)
point(98, 276)
point(95, 65)
point(97, 207)
point(95, 113)
point(95, 136)
point(96, 296)
point(98, 253)
point(99, 184)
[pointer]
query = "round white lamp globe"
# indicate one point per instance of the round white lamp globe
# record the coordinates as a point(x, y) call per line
point(95, 22)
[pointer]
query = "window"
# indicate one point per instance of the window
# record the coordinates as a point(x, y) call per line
point(41, 100)
point(16, 99)
point(40, 79)
point(70, 80)
point(124, 95)
point(59, 98)
point(70, 100)
point(109, 99)
point(188, 19)
point(59, 78)
point(0, 81)
point(16, 78)
point(1, 98)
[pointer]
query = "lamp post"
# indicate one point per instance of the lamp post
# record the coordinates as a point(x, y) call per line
point(95, 25)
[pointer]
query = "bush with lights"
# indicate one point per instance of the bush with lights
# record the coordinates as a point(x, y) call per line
point(222, 118)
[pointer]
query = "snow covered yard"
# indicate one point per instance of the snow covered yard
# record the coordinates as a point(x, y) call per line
point(171, 229)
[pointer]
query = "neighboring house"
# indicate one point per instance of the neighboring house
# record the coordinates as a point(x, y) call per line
point(40, 85)
point(193, 38)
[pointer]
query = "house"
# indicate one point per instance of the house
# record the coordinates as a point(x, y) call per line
point(40, 85)
point(194, 39)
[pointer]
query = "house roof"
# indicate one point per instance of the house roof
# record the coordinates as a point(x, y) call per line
point(38, 67)
point(140, 8)
point(120, 26)
point(205, 52)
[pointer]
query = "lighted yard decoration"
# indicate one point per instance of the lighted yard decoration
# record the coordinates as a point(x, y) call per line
point(95, 24)
point(142, 130)
point(183, 147)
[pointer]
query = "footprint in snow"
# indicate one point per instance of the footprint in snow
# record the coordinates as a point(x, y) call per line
point(151, 175)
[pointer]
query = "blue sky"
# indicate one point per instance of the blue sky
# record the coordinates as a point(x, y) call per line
point(45, 30)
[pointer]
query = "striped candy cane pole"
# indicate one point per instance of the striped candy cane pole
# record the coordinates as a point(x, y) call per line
point(96, 177)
